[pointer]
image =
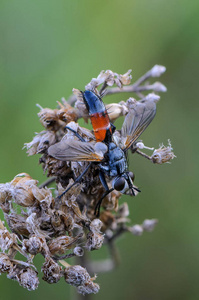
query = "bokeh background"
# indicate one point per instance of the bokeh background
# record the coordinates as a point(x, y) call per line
point(48, 48)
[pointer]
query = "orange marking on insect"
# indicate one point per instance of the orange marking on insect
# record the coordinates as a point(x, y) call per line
point(101, 123)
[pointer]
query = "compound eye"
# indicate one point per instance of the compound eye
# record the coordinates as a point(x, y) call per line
point(119, 184)
point(132, 176)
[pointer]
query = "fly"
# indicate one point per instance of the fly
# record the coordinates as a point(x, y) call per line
point(109, 154)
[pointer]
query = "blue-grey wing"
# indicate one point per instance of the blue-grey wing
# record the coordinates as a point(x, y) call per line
point(73, 150)
point(136, 121)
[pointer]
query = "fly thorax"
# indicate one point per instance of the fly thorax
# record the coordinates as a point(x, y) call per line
point(117, 160)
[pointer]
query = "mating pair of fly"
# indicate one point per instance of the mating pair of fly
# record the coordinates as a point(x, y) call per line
point(108, 152)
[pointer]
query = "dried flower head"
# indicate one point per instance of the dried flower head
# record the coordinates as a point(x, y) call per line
point(51, 270)
point(163, 154)
point(25, 276)
point(82, 212)
point(5, 264)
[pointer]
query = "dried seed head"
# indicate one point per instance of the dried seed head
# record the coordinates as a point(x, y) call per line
point(48, 118)
point(61, 244)
point(67, 113)
point(33, 245)
point(76, 275)
point(89, 288)
point(52, 271)
point(5, 194)
point(163, 154)
point(25, 276)
point(17, 224)
point(51, 227)
point(22, 189)
point(41, 142)
point(43, 195)
point(5, 197)
point(70, 200)
point(21, 179)
point(46, 140)
point(109, 78)
point(5, 264)
point(68, 223)
point(33, 225)
point(7, 239)
point(149, 225)
point(23, 196)
point(94, 241)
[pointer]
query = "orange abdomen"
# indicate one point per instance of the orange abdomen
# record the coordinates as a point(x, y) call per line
point(101, 125)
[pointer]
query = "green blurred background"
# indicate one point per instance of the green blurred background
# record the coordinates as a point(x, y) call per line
point(49, 47)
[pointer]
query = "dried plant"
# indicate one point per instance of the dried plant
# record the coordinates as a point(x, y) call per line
point(60, 227)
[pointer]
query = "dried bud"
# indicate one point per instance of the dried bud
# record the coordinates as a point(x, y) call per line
point(76, 275)
point(96, 225)
point(52, 271)
point(148, 225)
point(163, 154)
point(136, 230)
point(157, 71)
point(116, 110)
point(78, 251)
point(25, 276)
point(141, 145)
point(125, 78)
point(152, 97)
point(158, 87)
point(5, 264)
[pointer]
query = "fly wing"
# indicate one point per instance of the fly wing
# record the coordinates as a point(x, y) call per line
point(72, 150)
point(137, 120)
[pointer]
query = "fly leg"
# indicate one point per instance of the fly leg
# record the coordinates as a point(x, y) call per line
point(76, 181)
point(105, 185)
point(76, 134)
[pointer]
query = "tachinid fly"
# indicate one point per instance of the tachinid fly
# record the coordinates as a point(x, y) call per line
point(107, 151)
